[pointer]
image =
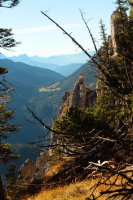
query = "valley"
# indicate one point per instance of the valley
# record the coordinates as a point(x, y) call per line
point(41, 90)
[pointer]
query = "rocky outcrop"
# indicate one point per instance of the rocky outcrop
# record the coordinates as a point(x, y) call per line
point(114, 31)
point(81, 96)
point(42, 159)
point(28, 170)
point(90, 97)
point(41, 164)
point(31, 172)
point(78, 94)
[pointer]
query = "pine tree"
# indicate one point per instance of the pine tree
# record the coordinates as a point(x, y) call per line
point(12, 188)
point(6, 114)
point(116, 72)
point(9, 3)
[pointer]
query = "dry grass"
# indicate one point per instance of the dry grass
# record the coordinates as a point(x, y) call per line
point(74, 191)
point(77, 191)
point(55, 168)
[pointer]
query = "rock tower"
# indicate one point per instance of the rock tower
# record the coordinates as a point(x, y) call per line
point(114, 30)
point(81, 96)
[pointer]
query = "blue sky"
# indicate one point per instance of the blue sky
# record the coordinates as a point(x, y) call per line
point(39, 36)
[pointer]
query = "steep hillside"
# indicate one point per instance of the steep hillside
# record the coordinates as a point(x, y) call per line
point(28, 74)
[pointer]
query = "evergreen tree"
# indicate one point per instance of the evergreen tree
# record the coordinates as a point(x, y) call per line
point(6, 114)
point(116, 72)
point(8, 3)
point(12, 188)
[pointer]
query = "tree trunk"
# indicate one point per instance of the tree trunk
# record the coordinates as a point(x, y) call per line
point(2, 191)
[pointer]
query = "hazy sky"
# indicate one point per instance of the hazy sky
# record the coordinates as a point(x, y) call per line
point(41, 37)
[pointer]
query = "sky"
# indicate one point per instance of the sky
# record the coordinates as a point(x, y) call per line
point(39, 36)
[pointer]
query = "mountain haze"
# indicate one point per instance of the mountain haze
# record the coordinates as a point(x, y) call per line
point(63, 59)
point(29, 74)
point(64, 70)
point(62, 64)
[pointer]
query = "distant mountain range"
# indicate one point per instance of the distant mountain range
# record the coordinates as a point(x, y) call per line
point(62, 64)
point(63, 59)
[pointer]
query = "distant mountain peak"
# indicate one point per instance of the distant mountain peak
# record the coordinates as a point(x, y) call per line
point(2, 56)
point(23, 55)
point(63, 59)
